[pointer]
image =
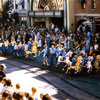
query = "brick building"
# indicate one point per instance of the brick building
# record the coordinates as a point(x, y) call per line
point(1, 7)
point(88, 10)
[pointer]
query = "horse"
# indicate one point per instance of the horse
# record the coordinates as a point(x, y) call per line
point(33, 50)
point(78, 63)
point(34, 47)
point(97, 62)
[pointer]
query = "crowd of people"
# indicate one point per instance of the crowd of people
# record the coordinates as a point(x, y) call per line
point(10, 92)
point(75, 52)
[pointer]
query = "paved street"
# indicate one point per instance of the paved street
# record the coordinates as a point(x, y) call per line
point(53, 83)
point(52, 45)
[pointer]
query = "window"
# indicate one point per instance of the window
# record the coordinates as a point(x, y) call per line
point(93, 4)
point(82, 2)
point(83, 5)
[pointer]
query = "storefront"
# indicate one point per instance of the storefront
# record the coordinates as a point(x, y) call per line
point(23, 17)
point(46, 17)
point(45, 12)
point(97, 24)
point(92, 20)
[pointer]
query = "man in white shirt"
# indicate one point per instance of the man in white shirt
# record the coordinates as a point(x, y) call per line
point(6, 43)
point(13, 42)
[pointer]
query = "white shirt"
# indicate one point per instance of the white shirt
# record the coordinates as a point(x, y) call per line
point(56, 29)
point(82, 52)
point(13, 42)
point(1, 86)
point(25, 98)
point(40, 43)
point(16, 47)
point(52, 26)
point(96, 46)
point(10, 89)
point(16, 90)
point(20, 46)
point(69, 54)
point(6, 43)
point(1, 44)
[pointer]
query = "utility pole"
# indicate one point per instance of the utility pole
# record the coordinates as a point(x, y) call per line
point(65, 14)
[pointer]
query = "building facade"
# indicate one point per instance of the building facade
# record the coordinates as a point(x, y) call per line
point(21, 7)
point(88, 10)
point(66, 13)
point(1, 8)
point(36, 12)
point(45, 12)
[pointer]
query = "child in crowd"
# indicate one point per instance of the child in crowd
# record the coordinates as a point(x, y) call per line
point(17, 90)
point(52, 56)
point(24, 42)
point(16, 50)
point(62, 57)
point(45, 55)
point(39, 46)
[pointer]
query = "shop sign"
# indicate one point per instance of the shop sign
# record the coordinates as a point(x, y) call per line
point(23, 18)
point(23, 13)
point(57, 13)
point(48, 13)
point(31, 13)
point(38, 13)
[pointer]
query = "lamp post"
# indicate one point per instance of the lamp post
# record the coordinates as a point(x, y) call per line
point(65, 14)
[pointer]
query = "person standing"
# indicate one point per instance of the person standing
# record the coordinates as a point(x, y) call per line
point(52, 56)
point(45, 57)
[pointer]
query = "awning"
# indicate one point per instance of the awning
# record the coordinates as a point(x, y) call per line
point(87, 22)
point(81, 1)
point(20, 2)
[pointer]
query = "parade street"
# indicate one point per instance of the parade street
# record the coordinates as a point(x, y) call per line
point(59, 86)
point(49, 49)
